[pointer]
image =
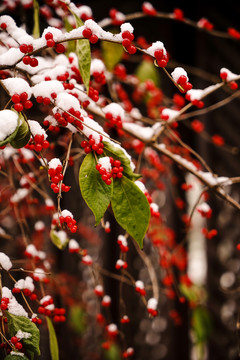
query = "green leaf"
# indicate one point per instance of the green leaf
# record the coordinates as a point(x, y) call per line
point(59, 239)
point(52, 340)
point(83, 52)
point(13, 134)
point(118, 153)
point(16, 357)
point(201, 323)
point(131, 208)
point(94, 190)
point(113, 353)
point(36, 28)
point(71, 44)
point(78, 319)
point(112, 54)
point(24, 324)
point(23, 134)
point(147, 71)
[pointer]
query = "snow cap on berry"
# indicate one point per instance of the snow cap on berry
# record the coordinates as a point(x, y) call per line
point(5, 262)
point(126, 27)
point(17, 86)
point(97, 65)
point(158, 45)
point(36, 129)
point(54, 163)
point(152, 304)
point(105, 163)
point(177, 72)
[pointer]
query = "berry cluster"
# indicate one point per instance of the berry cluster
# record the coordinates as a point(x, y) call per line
point(51, 43)
point(99, 77)
point(120, 264)
point(161, 58)
point(113, 121)
point(139, 287)
point(185, 85)
point(4, 303)
point(117, 169)
point(16, 343)
point(198, 103)
point(116, 16)
point(26, 292)
point(120, 71)
point(128, 353)
point(37, 143)
point(91, 145)
point(226, 75)
point(106, 175)
point(123, 244)
point(21, 101)
point(93, 94)
point(27, 59)
point(69, 117)
point(56, 177)
point(87, 33)
point(128, 37)
point(69, 221)
point(148, 9)
point(47, 308)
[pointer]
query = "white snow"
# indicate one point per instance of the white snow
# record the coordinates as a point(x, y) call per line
point(17, 86)
point(46, 88)
point(152, 303)
point(13, 306)
point(172, 114)
point(36, 129)
point(144, 132)
point(19, 195)
point(8, 123)
point(230, 75)
point(127, 27)
point(23, 335)
point(177, 72)
point(39, 225)
point(105, 162)
point(5, 262)
point(26, 283)
point(158, 45)
point(139, 284)
point(66, 213)
point(154, 207)
point(122, 240)
point(39, 273)
point(73, 244)
point(115, 109)
point(97, 65)
point(140, 185)
point(54, 163)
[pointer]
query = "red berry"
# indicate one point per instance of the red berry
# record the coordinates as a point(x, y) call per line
point(18, 346)
point(28, 104)
point(87, 33)
point(26, 60)
point(14, 340)
point(3, 26)
point(48, 36)
point(60, 48)
point(50, 43)
point(93, 39)
point(34, 62)
point(131, 49)
point(30, 48)
point(16, 98)
point(23, 48)
point(18, 107)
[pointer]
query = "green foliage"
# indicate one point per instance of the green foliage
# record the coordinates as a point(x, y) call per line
point(118, 153)
point(23, 134)
point(77, 318)
point(130, 208)
point(112, 54)
point(94, 190)
point(11, 136)
point(15, 357)
point(147, 71)
point(193, 293)
point(113, 353)
point(36, 27)
point(83, 52)
point(52, 340)
point(24, 324)
point(56, 240)
point(201, 324)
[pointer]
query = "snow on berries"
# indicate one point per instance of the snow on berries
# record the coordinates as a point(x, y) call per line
point(73, 246)
point(123, 243)
point(66, 218)
point(5, 262)
point(32, 253)
point(230, 77)
point(38, 140)
point(128, 37)
point(121, 264)
point(148, 9)
point(56, 176)
point(97, 70)
point(46, 91)
point(26, 285)
point(106, 301)
point(180, 76)
point(152, 306)
point(20, 93)
point(139, 287)
point(195, 96)
point(205, 210)
point(9, 303)
point(109, 168)
point(158, 51)
point(8, 123)
point(117, 17)
point(114, 113)
point(98, 290)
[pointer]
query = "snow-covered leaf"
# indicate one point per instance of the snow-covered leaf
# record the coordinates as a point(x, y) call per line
point(9, 123)
point(16, 323)
point(59, 239)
